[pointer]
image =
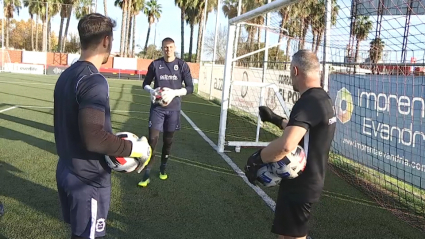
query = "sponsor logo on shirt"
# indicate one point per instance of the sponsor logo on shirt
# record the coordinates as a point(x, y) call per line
point(168, 77)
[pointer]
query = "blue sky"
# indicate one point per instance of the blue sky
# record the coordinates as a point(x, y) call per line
point(167, 26)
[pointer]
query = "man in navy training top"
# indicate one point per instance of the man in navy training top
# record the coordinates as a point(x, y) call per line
point(168, 72)
point(83, 133)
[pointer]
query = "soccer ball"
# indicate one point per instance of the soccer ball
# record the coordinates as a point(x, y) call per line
point(266, 177)
point(158, 97)
point(123, 164)
point(291, 166)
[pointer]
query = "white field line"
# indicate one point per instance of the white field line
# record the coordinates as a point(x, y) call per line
point(39, 83)
point(229, 161)
point(51, 107)
point(10, 108)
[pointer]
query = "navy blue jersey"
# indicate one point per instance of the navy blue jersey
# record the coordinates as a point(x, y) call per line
point(81, 86)
point(172, 75)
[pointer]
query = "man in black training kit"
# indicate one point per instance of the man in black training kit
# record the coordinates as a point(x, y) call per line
point(83, 133)
point(169, 73)
point(311, 125)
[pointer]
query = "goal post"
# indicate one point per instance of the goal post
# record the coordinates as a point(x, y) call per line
point(256, 73)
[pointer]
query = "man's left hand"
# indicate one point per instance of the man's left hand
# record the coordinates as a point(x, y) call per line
point(252, 166)
point(168, 95)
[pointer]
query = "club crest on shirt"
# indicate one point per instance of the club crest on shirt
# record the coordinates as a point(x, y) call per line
point(176, 67)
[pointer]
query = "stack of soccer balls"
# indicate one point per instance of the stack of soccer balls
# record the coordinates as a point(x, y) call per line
point(290, 167)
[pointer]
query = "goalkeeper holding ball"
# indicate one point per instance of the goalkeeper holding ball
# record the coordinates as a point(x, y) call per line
point(83, 133)
point(311, 125)
point(168, 74)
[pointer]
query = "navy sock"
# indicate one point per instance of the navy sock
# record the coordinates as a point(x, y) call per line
point(147, 174)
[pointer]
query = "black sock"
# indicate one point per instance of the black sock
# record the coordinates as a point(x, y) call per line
point(147, 173)
point(164, 159)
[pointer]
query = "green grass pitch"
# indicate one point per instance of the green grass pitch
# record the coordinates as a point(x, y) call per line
point(203, 197)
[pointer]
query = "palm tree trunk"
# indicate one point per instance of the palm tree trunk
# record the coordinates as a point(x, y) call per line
point(183, 9)
point(133, 45)
point(356, 55)
point(32, 32)
point(200, 32)
point(124, 14)
point(68, 19)
point(318, 41)
point(36, 33)
point(7, 32)
point(127, 49)
point(60, 34)
point(288, 44)
point(147, 37)
point(49, 39)
point(105, 7)
point(44, 35)
point(191, 42)
point(128, 27)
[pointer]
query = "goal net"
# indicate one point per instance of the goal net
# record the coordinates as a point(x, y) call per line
point(5, 63)
point(372, 55)
point(256, 73)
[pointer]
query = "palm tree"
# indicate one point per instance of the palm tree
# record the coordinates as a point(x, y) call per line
point(9, 7)
point(123, 5)
point(32, 10)
point(375, 52)
point(153, 11)
point(137, 6)
point(65, 12)
point(105, 7)
point(212, 4)
point(192, 14)
point(362, 28)
point(183, 4)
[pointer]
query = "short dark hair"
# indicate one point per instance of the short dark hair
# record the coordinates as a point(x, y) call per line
point(93, 28)
point(306, 60)
point(167, 39)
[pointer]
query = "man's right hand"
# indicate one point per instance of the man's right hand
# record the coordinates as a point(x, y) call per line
point(267, 115)
point(252, 166)
point(141, 149)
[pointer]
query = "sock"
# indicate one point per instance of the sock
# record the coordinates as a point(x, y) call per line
point(164, 160)
point(147, 173)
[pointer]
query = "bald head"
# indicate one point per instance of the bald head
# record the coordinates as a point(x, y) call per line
point(305, 70)
point(306, 61)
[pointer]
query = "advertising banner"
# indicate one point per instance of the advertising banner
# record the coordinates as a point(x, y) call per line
point(24, 68)
point(381, 123)
point(55, 70)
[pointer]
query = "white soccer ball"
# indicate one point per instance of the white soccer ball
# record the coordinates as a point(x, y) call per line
point(292, 165)
point(266, 177)
point(123, 164)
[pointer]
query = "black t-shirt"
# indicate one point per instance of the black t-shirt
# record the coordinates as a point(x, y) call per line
point(314, 111)
point(78, 87)
point(170, 75)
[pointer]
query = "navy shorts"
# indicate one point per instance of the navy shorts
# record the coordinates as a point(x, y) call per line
point(85, 207)
point(164, 120)
point(291, 217)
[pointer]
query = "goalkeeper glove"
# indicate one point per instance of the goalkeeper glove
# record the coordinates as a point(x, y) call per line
point(142, 151)
point(169, 94)
point(267, 115)
point(253, 164)
point(152, 92)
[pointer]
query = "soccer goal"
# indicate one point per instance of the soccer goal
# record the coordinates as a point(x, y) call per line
point(5, 63)
point(257, 73)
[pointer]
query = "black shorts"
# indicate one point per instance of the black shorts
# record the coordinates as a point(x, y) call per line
point(164, 120)
point(84, 207)
point(291, 217)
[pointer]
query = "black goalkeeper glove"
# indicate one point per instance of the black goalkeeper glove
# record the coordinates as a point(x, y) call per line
point(267, 115)
point(252, 166)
